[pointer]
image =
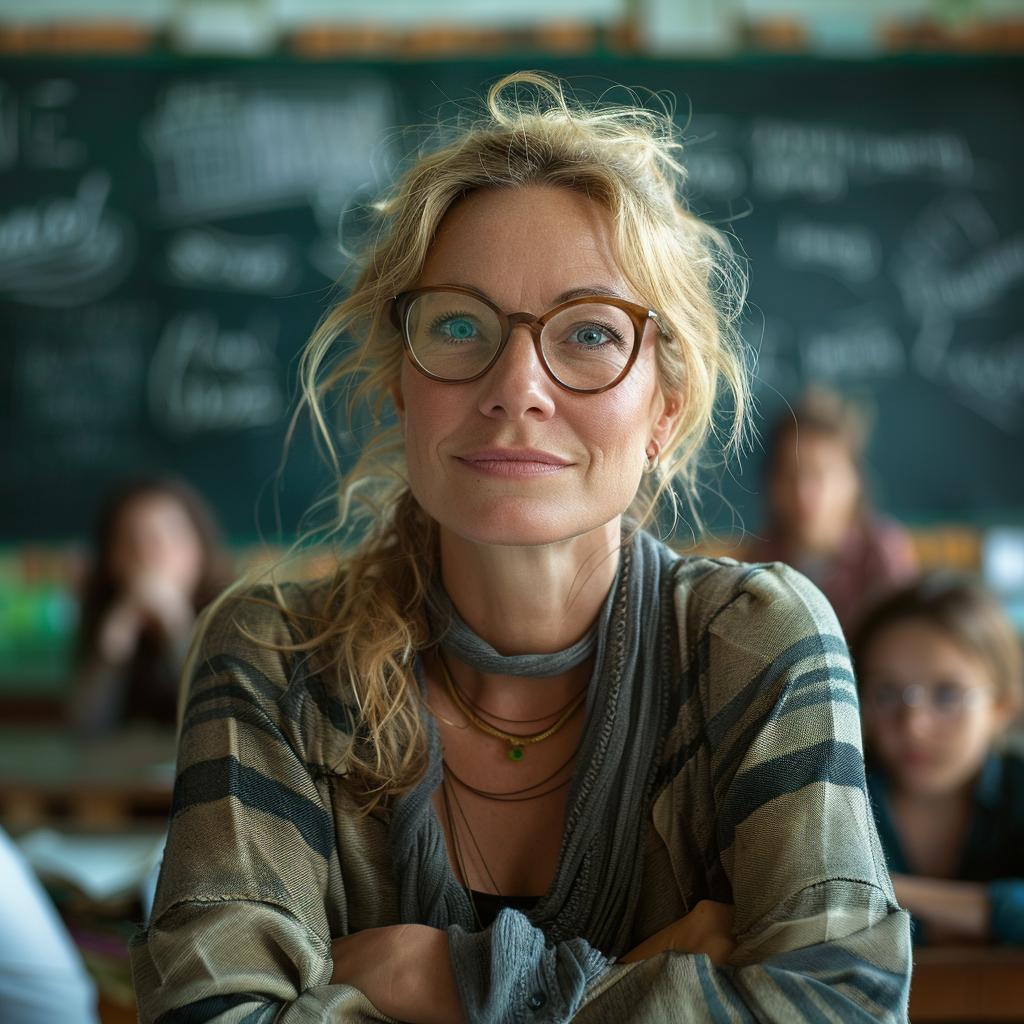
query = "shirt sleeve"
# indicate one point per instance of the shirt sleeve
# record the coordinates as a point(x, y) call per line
point(240, 929)
point(1006, 896)
point(773, 803)
point(42, 978)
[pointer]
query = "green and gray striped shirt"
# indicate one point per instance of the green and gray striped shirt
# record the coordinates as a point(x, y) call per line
point(760, 802)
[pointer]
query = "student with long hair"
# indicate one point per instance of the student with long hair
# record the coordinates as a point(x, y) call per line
point(515, 760)
point(157, 563)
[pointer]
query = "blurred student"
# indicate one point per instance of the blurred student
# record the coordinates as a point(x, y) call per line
point(158, 562)
point(819, 518)
point(941, 678)
point(42, 979)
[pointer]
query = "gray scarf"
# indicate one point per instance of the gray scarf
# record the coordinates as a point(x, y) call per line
point(587, 913)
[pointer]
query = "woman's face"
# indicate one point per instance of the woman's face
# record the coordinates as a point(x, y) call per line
point(154, 536)
point(814, 490)
point(512, 458)
point(930, 709)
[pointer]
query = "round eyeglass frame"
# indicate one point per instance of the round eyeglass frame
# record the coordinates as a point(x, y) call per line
point(917, 696)
point(639, 315)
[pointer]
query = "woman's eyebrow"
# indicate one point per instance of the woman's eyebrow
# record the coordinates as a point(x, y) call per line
point(587, 290)
point(592, 289)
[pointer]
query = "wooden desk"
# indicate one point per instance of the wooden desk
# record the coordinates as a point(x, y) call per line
point(51, 775)
point(971, 983)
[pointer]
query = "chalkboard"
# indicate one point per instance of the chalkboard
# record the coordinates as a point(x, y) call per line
point(168, 240)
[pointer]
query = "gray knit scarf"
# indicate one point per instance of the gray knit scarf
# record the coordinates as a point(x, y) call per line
point(586, 915)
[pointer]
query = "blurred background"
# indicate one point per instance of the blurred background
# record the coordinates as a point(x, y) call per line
point(174, 175)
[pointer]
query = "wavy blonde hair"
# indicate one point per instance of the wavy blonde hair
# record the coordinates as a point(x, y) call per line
point(530, 133)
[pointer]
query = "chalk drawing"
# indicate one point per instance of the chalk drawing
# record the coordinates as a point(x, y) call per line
point(79, 373)
point(953, 266)
point(8, 127)
point(47, 144)
point(65, 252)
point(204, 378)
point(857, 352)
point(716, 174)
point(990, 380)
point(205, 257)
point(850, 252)
point(222, 148)
point(772, 342)
point(821, 161)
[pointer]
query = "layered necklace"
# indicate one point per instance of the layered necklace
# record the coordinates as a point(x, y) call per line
point(457, 819)
point(461, 642)
point(515, 743)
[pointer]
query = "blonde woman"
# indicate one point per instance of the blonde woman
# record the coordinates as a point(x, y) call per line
point(516, 760)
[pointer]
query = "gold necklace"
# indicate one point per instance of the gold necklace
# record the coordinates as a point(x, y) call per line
point(515, 743)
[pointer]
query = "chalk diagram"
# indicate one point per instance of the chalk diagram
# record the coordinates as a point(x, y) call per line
point(65, 251)
point(222, 148)
point(206, 257)
point(205, 378)
point(953, 267)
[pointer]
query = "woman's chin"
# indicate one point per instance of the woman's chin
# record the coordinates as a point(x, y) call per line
point(511, 525)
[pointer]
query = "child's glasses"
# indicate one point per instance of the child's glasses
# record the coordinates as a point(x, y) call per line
point(946, 702)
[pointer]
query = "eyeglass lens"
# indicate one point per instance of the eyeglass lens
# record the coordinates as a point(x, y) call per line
point(455, 336)
point(945, 701)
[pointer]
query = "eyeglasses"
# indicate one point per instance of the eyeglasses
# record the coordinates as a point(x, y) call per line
point(947, 701)
point(455, 335)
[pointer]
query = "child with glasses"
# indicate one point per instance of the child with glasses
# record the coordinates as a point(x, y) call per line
point(940, 675)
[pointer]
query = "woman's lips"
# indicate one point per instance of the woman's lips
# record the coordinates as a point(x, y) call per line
point(513, 462)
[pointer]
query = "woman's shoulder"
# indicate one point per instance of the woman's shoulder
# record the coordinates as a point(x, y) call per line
point(261, 636)
point(253, 658)
point(262, 615)
point(762, 606)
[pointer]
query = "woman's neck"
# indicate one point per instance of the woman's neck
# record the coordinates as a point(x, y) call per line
point(531, 600)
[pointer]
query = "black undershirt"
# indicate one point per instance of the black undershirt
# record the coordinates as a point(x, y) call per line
point(488, 905)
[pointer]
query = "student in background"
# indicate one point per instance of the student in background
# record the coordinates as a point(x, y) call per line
point(158, 562)
point(940, 672)
point(42, 979)
point(819, 519)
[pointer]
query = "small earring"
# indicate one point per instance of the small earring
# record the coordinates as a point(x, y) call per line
point(651, 461)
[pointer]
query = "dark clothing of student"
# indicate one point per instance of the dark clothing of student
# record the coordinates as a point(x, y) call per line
point(994, 848)
point(143, 689)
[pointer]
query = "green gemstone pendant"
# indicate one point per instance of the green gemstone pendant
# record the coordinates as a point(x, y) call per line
point(515, 753)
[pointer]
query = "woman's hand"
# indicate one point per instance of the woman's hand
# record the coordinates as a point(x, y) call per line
point(955, 912)
point(405, 970)
point(705, 929)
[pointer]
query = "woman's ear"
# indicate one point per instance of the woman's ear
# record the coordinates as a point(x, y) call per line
point(667, 420)
point(398, 400)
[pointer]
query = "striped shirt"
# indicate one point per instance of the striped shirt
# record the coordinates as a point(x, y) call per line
point(761, 802)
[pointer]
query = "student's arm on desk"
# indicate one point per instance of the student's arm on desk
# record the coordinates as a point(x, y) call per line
point(992, 911)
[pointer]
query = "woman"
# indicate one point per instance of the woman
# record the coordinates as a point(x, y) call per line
point(819, 521)
point(158, 562)
point(941, 678)
point(510, 701)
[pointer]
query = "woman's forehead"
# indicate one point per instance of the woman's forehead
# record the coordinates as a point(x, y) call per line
point(526, 245)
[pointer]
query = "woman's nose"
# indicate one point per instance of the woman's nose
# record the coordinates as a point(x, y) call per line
point(518, 386)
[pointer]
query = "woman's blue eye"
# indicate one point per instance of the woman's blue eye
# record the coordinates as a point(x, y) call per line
point(589, 335)
point(460, 329)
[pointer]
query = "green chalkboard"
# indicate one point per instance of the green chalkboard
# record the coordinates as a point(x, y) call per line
point(168, 241)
